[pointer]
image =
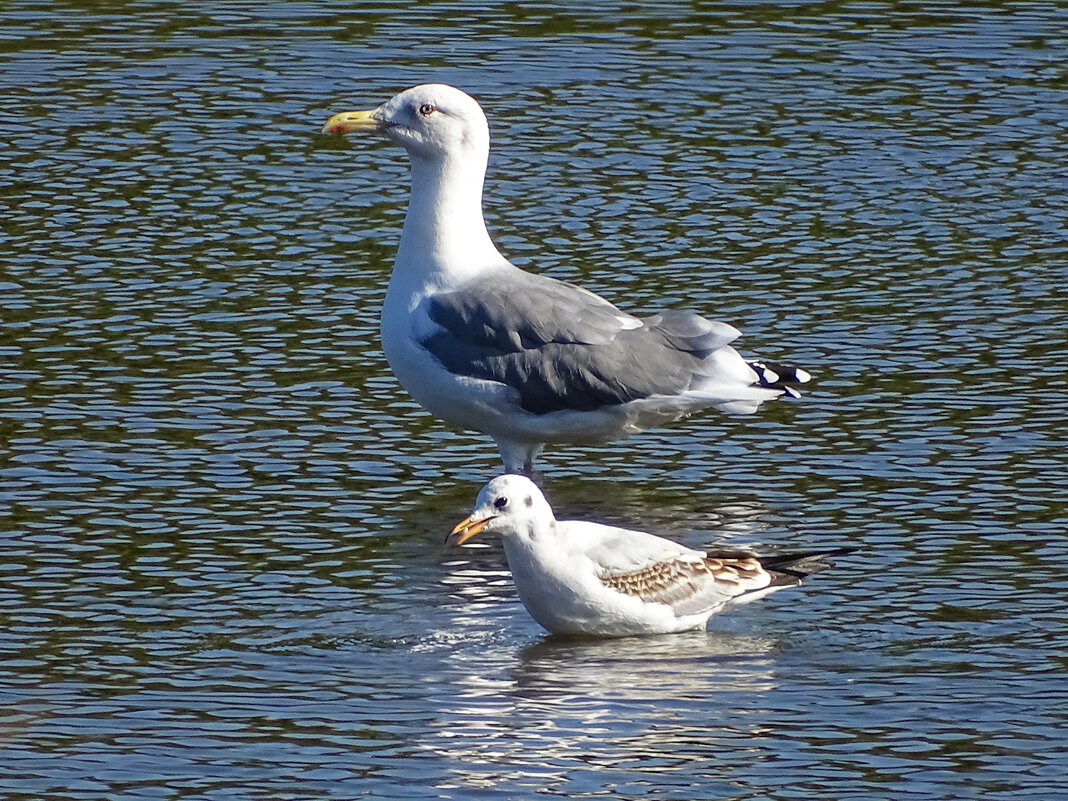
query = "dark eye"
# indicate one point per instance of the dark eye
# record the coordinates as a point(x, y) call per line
point(501, 502)
point(427, 109)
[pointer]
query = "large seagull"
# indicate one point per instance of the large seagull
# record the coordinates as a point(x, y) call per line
point(525, 358)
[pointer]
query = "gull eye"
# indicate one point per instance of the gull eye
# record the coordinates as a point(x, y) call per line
point(501, 502)
point(427, 109)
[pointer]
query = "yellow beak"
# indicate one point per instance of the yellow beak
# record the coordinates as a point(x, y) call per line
point(467, 528)
point(351, 122)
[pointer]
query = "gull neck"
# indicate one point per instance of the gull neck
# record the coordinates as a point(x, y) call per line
point(444, 235)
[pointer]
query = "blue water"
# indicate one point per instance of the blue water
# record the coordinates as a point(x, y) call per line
point(221, 521)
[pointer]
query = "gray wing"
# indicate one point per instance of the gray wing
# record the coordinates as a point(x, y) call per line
point(561, 347)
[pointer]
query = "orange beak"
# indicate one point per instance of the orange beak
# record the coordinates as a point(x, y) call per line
point(467, 528)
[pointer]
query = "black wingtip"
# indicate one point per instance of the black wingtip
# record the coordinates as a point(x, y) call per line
point(780, 376)
point(799, 565)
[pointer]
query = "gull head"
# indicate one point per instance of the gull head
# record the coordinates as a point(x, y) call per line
point(509, 504)
point(431, 121)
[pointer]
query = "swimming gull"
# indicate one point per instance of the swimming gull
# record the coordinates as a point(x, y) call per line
point(576, 577)
point(526, 358)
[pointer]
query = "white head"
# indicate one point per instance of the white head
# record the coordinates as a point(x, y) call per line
point(445, 240)
point(430, 121)
point(510, 504)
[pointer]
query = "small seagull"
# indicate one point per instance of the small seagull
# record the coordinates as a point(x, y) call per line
point(525, 358)
point(581, 578)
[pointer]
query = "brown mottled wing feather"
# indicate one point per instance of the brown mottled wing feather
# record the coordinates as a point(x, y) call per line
point(692, 585)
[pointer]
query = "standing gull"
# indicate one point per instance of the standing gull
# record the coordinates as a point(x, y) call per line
point(525, 358)
point(576, 577)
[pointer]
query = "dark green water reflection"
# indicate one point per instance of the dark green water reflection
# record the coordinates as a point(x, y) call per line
point(220, 519)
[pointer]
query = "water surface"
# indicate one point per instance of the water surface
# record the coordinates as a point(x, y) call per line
point(221, 519)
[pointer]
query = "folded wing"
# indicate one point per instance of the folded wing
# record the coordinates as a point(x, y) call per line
point(563, 348)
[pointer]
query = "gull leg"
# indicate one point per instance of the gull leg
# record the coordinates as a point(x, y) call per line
point(519, 457)
point(529, 470)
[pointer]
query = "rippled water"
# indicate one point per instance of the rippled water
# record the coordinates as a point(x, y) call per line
point(221, 520)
